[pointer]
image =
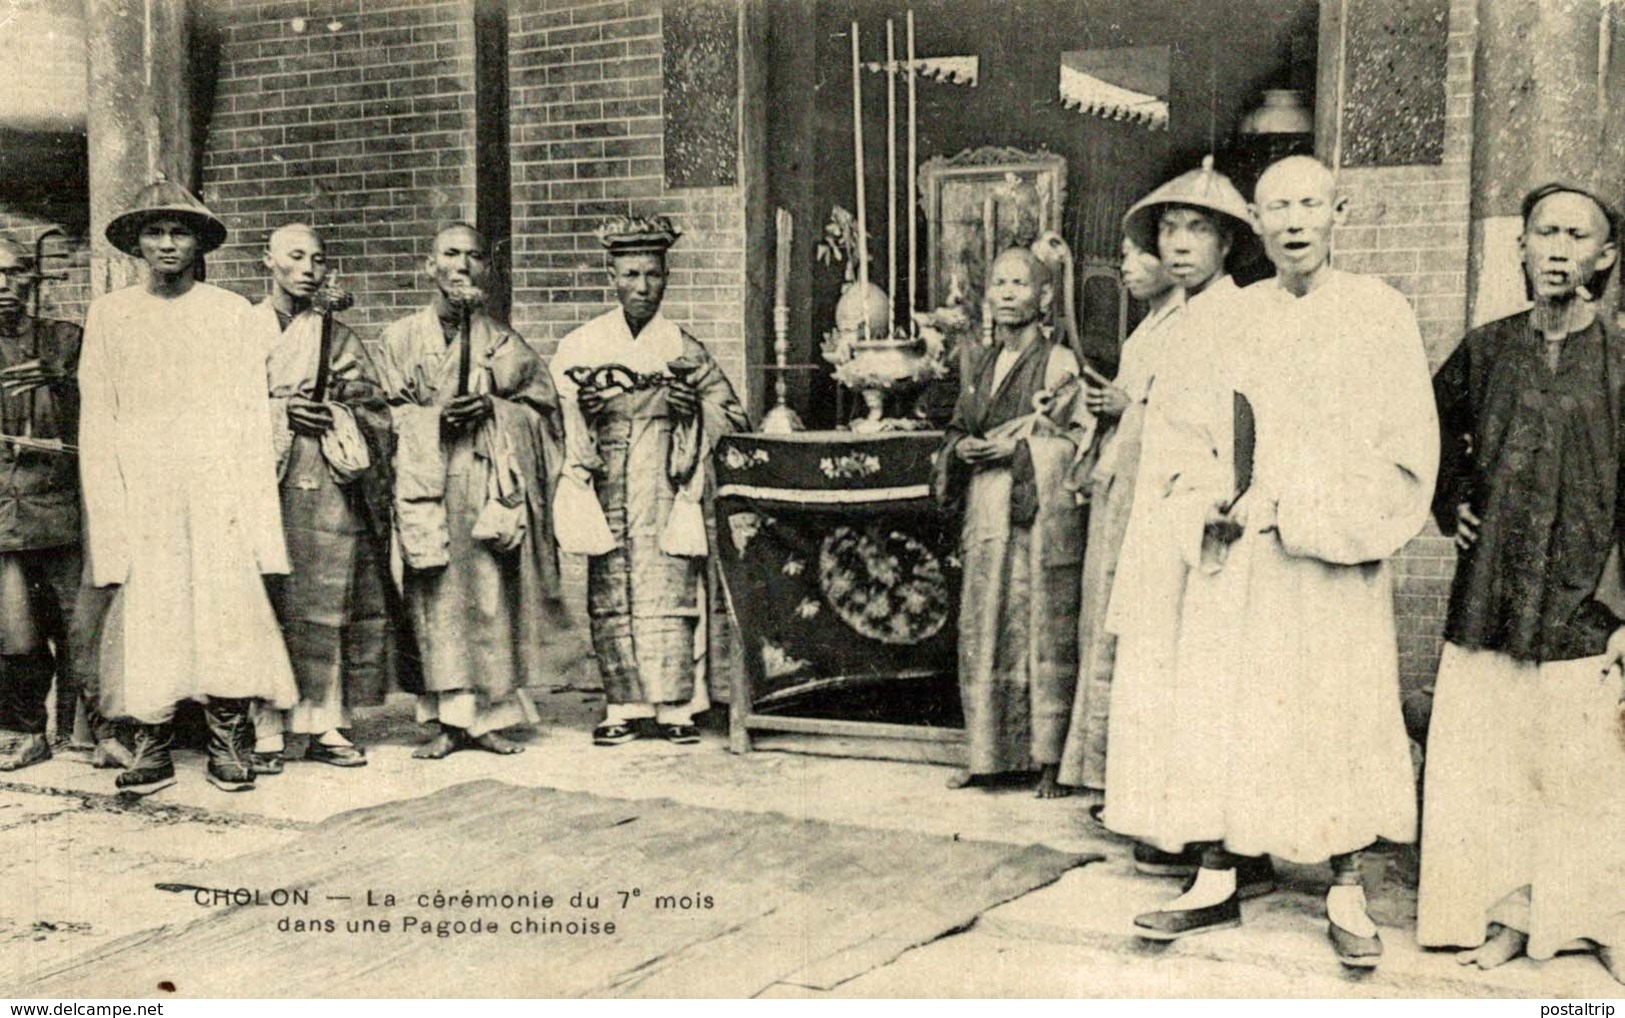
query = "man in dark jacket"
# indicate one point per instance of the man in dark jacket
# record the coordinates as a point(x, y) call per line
point(1523, 845)
point(40, 560)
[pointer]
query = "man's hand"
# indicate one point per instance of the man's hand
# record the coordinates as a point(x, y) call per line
point(683, 399)
point(307, 417)
point(1466, 527)
point(591, 402)
point(1102, 397)
point(466, 411)
point(986, 451)
point(1226, 523)
point(28, 376)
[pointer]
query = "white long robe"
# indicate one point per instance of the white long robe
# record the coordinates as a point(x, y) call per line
point(1280, 729)
point(181, 500)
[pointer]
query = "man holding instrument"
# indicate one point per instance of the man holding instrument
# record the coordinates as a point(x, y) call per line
point(1016, 428)
point(476, 426)
point(1287, 685)
point(40, 561)
point(644, 402)
point(331, 429)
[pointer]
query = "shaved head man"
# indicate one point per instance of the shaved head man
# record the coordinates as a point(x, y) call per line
point(333, 606)
point(1295, 206)
point(476, 419)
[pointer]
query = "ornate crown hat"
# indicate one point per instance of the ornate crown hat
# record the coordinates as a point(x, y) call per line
point(638, 235)
point(165, 199)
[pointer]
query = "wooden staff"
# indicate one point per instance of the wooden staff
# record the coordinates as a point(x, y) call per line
point(464, 346)
point(857, 144)
point(326, 355)
point(891, 167)
point(913, 155)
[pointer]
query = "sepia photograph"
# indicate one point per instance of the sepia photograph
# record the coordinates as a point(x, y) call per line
point(812, 499)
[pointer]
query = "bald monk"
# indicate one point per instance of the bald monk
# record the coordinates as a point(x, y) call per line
point(333, 452)
point(473, 460)
point(1003, 465)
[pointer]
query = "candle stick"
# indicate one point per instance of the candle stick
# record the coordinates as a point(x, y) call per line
point(857, 144)
point(891, 167)
point(913, 303)
point(781, 419)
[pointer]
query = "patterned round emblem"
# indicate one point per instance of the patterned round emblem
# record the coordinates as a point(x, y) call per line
point(884, 584)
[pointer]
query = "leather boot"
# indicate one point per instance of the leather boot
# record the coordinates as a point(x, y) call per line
point(231, 744)
point(151, 767)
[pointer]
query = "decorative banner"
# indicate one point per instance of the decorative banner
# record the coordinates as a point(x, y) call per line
point(1130, 84)
point(947, 70)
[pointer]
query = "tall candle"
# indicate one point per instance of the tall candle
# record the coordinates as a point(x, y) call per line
point(857, 145)
point(989, 238)
point(891, 167)
point(785, 228)
point(913, 200)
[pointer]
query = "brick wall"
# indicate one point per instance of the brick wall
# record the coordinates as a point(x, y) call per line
point(356, 116)
point(587, 136)
point(1409, 224)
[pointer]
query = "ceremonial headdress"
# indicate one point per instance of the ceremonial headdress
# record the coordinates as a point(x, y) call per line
point(165, 199)
point(638, 235)
point(1203, 188)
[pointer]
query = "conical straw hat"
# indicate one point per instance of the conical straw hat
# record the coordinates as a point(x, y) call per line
point(1203, 188)
point(165, 199)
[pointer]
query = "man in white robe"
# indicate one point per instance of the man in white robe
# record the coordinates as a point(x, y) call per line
point(1286, 696)
point(181, 498)
point(1198, 222)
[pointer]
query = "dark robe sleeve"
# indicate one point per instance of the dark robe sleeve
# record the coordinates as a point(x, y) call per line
point(62, 353)
point(949, 475)
point(1452, 395)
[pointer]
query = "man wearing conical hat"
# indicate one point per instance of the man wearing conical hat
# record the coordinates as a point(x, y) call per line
point(180, 492)
point(476, 426)
point(1198, 225)
point(1283, 721)
point(40, 559)
point(644, 402)
point(332, 433)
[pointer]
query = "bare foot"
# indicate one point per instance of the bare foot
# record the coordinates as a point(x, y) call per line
point(443, 744)
point(26, 752)
point(1612, 960)
point(1049, 783)
point(491, 742)
point(1504, 945)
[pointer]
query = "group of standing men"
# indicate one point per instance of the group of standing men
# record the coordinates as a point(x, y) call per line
point(249, 472)
point(1232, 686)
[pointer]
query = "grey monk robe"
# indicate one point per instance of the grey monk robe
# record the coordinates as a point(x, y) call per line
point(334, 607)
point(485, 606)
point(1022, 550)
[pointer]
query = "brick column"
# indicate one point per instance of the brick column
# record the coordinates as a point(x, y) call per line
point(1545, 108)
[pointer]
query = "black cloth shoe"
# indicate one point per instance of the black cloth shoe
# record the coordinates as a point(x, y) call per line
point(338, 756)
point(1155, 862)
point(1173, 923)
point(615, 734)
point(681, 735)
point(231, 744)
point(151, 767)
point(1354, 951)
